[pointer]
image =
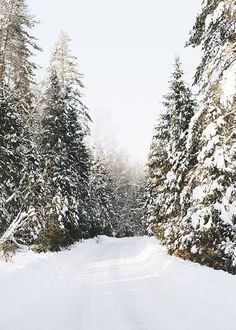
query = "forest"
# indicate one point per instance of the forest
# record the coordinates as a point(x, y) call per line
point(57, 189)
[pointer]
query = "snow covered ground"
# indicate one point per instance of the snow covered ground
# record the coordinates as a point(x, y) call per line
point(118, 284)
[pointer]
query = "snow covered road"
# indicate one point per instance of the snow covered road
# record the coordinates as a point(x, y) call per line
point(118, 284)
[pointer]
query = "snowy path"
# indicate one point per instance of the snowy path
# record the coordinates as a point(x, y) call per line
point(119, 284)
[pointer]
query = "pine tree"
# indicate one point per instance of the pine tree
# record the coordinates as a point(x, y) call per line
point(208, 227)
point(169, 161)
point(66, 166)
point(16, 76)
point(101, 199)
point(180, 104)
point(157, 169)
point(134, 207)
point(65, 64)
point(214, 32)
point(11, 159)
point(126, 184)
point(16, 49)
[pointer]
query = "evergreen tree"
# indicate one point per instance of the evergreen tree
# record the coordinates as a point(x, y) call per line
point(191, 170)
point(66, 165)
point(65, 64)
point(101, 199)
point(208, 227)
point(134, 206)
point(180, 104)
point(16, 76)
point(11, 159)
point(214, 32)
point(157, 169)
point(16, 49)
point(126, 184)
point(169, 161)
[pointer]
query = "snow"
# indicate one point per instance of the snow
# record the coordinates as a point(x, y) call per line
point(194, 249)
point(170, 176)
point(210, 131)
point(228, 85)
point(118, 284)
point(196, 220)
point(198, 193)
point(212, 18)
point(213, 141)
point(227, 208)
point(219, 159)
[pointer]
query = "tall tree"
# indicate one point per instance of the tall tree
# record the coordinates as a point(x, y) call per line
point(214, 32)
point(16, 76)
point(169, 161)
point(208, 228)
point(16, 48)
point(101, 198)
point(126, 184)
point(157, 168)
point(11, 159)
point(181, 105)
point(66, 167)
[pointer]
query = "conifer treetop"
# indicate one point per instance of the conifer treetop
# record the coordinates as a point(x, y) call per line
point(64, 63)
point(215, 32)
point(16, 45)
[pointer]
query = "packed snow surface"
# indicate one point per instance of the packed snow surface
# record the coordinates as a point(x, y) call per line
point(118, 284)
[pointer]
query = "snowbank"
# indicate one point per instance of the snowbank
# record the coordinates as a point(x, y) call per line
point(118, 284)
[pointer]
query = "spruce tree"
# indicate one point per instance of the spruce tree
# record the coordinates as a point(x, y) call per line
point(16, 49)
point(134, 206)
point(66, 157)
point(11, 159)
point(126, 184)
point(214, 32)
point(208, 227)
point(101, 199)
point(157, 168)
point(169, 161)
point(16, 77)
point(180, 104)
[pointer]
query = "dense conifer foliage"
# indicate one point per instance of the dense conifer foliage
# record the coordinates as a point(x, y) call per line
point(195, 180)
point(53, 190)
point(101, 198)
point(66, 157)
point(169, 160)
point(17, 149)
point(56, 188)
point(209, 223)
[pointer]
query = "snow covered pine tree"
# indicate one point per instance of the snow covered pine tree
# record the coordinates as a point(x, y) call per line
point(66, 157)
point(208, 232)
point(169, 161)
point(127, 186)
point(101, 198)
point(16, 77)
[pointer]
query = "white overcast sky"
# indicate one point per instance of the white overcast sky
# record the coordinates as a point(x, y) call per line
point(125, 50)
